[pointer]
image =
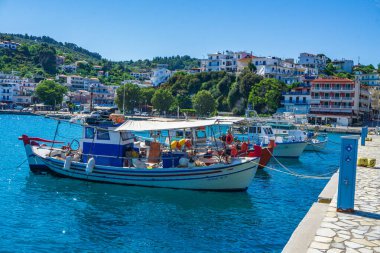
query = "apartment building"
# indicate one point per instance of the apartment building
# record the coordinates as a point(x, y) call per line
point(141, 75)
point(369, 93)
point(283, 70)
point(343, 65)
point(160, 74)
point(297, 100)
point(225, 61)
point(15, 90)
point(318, 61)
point(334, 101)
point(9, 44)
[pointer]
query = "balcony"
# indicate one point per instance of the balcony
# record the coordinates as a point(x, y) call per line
point(333, 88)
point(296, 93)
point(331, 98)
point(330, 108)
point(288, 102)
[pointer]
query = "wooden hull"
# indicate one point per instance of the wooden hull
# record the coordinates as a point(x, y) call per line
point(235, 176)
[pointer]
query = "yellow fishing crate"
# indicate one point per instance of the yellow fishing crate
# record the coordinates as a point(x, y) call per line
point(362, 161)
point(368, 139)
point(371, 162)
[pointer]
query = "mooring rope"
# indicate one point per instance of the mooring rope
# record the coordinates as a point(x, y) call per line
point(18, 166)
point(293, 173)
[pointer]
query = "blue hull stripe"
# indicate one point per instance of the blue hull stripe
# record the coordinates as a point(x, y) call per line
point(58, 168)
point(108, 168)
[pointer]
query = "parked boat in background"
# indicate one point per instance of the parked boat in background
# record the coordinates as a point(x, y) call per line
point(315, 141)
point(258, 132)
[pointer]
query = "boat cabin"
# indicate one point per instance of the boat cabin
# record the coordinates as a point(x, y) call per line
point(255, 133)
point(107, 146)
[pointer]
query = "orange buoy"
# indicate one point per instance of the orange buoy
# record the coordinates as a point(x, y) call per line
point(244, 147)
point(229, 138)
point(188, 143)
point(234, 151)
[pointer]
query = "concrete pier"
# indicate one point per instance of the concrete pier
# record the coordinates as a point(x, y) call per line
point(325, 230)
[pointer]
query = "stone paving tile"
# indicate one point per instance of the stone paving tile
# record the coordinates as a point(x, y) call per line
point(359, 231)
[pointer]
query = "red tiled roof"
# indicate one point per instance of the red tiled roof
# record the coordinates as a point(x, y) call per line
point(332, 80)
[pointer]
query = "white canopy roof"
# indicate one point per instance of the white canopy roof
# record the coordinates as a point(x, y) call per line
point(149, 125)
point(228, 120)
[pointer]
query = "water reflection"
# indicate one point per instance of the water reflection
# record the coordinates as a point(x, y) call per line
point(112, 194)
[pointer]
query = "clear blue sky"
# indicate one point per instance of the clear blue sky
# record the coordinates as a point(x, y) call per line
point(139, 29)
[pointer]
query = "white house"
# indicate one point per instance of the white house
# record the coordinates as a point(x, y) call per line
point(343, 65)
point(9, 44)
point(318, 61)
point(225, 61)
point(16, 90)
point(160, 74)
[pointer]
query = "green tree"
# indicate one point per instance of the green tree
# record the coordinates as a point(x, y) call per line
point(184, 101)
point(233, 95)
point(204, 103)
point(246, 81)
point(266, 95)
point(47, 59)
point(162, 100)
point(330, 69)
point(50, 92)
point(251, 67)
point(127, 95)
point(146, 95)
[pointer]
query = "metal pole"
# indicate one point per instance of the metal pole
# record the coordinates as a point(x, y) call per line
point(124, 99)
point(363, 135)
point(347, 173)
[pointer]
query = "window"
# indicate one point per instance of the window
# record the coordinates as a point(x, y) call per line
point(252, 130)
point(89, 133)
point(102, 135)
point(201, 134)
point(259, 130)
point(125, 136)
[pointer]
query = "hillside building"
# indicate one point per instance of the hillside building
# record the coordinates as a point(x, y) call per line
point(334, 101)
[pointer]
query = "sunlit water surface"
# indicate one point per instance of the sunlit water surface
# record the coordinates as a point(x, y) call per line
point(46, 213)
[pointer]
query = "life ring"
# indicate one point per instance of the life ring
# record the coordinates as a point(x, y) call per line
point(229, 138)
point(234, 151)
point(188, 143)
point(244, 147)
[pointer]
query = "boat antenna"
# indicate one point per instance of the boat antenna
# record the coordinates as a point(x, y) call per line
point(55, 135)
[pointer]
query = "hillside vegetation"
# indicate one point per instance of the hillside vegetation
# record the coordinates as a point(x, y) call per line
point(36, 57)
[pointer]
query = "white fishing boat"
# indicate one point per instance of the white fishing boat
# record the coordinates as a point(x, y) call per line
point(108, 155)
point(286, 146)
point(315, 141)
point(257, 132)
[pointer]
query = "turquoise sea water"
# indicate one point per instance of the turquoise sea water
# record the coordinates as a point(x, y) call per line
point(44, 213)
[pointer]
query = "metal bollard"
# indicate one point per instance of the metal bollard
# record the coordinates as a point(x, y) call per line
point(364, 135)
point(347, 173)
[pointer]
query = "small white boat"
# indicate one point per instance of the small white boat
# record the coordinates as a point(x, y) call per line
point(103, 157)
point(315, 142)
point(316, 145)
point(256, 132)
